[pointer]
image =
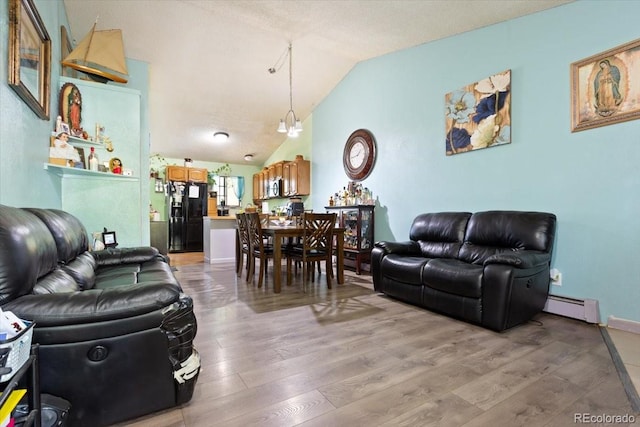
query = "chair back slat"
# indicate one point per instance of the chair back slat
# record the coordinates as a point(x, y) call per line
point(255, 232)
point(318, 232)
point(243, 230)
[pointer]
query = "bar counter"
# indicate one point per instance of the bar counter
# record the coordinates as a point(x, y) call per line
point(219, 238)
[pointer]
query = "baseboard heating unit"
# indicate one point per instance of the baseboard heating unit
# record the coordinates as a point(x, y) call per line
point(581, 309)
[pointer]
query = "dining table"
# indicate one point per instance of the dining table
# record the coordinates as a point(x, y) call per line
point(280, 232)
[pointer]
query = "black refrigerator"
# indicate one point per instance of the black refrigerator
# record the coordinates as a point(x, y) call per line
point(187, 204)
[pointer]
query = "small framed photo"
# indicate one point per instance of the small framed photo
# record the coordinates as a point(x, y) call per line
point(109, 239)
point(64, 127)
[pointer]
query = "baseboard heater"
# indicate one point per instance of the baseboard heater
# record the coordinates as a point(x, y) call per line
point(581, 309)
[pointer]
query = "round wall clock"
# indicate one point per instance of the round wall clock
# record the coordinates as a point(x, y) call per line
point(359, 155)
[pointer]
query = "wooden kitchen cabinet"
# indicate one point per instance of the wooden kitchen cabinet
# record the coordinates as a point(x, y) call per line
point(212, 206)
point(277, 168)
point(197, 174)
point(256, 187)
point(184, 174)
point(176, 173)
point(264, 183)
point(298, 180)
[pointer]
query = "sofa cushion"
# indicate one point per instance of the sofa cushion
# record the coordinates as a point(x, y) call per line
point(126, 274)
point(82, 269)
point(56, 282)
point(27, 252)
point(405, 269)
point(439, 234)
point(495, 232)
point(68, 232)
point(454, 277)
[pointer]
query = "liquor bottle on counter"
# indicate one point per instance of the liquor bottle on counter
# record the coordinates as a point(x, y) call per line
point(93, 160)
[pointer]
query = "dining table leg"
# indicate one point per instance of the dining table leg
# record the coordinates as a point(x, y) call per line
point(277, 260)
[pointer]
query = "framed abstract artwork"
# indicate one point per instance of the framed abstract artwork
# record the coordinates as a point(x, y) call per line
point(479, 115)
point(29, 67)
point(605, 88)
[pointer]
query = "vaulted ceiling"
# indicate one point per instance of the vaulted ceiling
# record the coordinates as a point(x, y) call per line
point(209, 59)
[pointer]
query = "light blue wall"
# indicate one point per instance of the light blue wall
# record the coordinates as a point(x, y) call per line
point(24, 138)
point(589, 179)
point(24, 141)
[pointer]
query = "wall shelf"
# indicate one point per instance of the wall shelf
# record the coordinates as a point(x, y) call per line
point(67, 172)
point(74, 140)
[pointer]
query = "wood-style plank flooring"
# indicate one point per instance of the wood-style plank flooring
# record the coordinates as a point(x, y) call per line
point(351, 357)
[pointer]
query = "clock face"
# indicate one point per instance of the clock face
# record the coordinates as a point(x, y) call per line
point(359, 155)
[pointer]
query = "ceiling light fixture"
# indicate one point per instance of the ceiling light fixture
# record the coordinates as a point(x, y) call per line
point(220, 136)
point(248, 157)
point(290, 125)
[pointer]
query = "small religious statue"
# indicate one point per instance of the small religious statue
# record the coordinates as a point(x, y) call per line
point(115, 165)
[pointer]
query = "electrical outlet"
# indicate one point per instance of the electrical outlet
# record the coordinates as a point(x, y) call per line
point(556, 277)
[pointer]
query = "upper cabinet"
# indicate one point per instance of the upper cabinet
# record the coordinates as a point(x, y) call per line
point(297, 180)
point(176, 173)
point(184, 174)
point(295, 177)
point(197, 174)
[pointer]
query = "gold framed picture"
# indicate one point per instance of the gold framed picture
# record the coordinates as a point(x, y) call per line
point(605, 88)
point(29, 68)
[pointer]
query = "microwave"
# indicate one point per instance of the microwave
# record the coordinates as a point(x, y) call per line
point(275, 188)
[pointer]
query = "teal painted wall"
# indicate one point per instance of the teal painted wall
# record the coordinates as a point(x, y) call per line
point(24, 138)
point(24, 142)
point(589, 179)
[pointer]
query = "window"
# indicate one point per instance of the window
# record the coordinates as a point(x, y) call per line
point(230, 190)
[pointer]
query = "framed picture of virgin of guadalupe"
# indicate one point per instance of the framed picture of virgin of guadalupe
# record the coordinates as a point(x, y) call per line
point(70, 108)
point(605, 88)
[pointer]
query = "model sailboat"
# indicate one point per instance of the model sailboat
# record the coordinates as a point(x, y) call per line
point(100, 55)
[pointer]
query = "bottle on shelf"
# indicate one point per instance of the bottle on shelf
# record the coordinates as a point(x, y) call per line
point(93, 160)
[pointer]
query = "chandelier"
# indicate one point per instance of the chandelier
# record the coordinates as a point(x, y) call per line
point(291, 124)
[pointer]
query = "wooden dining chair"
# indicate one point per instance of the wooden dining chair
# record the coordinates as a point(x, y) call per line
point(244, 249)
point(316, 245)
point(258, 248)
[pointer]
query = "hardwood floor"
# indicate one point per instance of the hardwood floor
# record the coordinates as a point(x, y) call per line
point(351, 357)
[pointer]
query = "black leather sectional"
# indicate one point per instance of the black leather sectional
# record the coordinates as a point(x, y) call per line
point(489, 268)
point(114, 327)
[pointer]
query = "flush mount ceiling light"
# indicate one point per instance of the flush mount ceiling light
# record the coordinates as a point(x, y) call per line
point(220, 136)
point(290, 124)
point(248, 157)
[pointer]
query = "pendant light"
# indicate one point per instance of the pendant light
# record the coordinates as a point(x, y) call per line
point(290, 125)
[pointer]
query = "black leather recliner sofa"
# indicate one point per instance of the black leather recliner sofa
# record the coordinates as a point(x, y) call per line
point(490, 268)
point(114, 327)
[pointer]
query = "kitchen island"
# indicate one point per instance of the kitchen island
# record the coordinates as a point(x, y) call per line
point(219, 239)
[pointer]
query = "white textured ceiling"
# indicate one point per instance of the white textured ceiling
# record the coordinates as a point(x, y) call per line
point(208, 59)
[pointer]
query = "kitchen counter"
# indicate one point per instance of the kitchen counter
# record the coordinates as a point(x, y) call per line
point(219, 238)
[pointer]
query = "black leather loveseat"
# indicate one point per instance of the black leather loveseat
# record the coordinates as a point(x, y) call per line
point(489, 268)
point(114, 327)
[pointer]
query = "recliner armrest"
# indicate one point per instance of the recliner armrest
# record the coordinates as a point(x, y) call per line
point(95, 305)
point(409, 247)
point(519, 259)
point(114, 256)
